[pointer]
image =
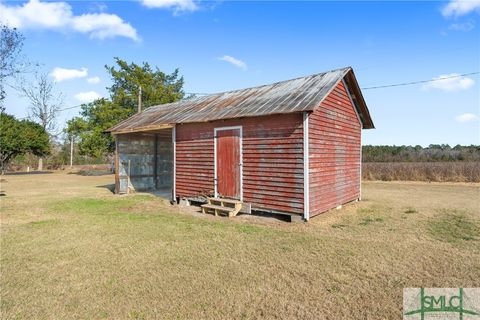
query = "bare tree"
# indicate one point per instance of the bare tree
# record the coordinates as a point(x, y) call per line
point(11, 61)
point(45, 103)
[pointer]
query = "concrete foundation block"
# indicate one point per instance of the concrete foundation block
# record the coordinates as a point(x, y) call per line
point(184, 202)
point(296, 218)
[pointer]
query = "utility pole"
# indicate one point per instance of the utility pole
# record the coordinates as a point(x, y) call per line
point(140, 99)
point(71, 152)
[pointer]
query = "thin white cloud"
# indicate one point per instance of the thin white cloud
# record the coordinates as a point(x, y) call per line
point(98, 6)
point(450, 83)
point(177, 5)
point(58, 16)
point(467, 117)
point(87, 96)
point(93, 80)
point(465, 27)
point(456, 8)
point(236, 62)
point(62, 74)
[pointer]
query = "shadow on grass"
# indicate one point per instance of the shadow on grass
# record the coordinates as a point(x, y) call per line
point(20, 173)
point(256, 213)
point(110, 187)
point(92, 172)
point(263, 214)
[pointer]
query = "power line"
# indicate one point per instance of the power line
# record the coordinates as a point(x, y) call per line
point(383, 86)
point(78, 106)
point(59, 110)
point(364, 88)
point(421, 81)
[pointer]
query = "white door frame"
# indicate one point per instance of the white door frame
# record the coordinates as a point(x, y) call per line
point(174, 146)
point(215, 181)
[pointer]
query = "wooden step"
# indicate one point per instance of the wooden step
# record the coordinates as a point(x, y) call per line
point(229, 210)
point(224, 200)
point(223, 205)
point(212, 206)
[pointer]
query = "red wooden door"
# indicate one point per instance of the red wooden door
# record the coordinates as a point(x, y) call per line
point(228, 163)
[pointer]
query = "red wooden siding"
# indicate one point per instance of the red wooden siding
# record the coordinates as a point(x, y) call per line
point(272, 160)
point(334, 147)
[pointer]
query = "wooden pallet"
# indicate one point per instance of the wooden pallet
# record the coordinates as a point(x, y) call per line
point(222, 206)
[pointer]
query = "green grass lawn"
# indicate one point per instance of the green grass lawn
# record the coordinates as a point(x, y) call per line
point(70, 249)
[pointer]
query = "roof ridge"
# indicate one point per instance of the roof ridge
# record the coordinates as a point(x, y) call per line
point(282, 81)
point(248, 88)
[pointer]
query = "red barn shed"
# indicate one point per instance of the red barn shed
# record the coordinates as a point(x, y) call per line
point(291, 147)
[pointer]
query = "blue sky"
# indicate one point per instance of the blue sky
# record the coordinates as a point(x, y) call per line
point(227, 45)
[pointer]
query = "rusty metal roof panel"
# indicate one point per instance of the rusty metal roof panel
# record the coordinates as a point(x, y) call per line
point(296, 95)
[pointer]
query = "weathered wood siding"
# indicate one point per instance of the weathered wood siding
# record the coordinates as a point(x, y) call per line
point(146, 172)
point(164, 159)
point(136, 159)
point(272, 160)
point(334, 147)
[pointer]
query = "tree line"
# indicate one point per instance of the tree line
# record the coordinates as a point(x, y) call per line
point(432, 153)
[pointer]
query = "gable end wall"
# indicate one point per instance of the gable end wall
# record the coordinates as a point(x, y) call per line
point(334, 152)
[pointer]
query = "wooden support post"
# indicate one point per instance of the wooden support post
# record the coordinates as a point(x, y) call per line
point(116, 167)
point(128, 177)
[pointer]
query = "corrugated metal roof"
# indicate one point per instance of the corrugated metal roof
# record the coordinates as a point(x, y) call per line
point(300, 94)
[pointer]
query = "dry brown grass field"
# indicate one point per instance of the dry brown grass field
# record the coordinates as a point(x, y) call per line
point(451, 171)
point(70, 249)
